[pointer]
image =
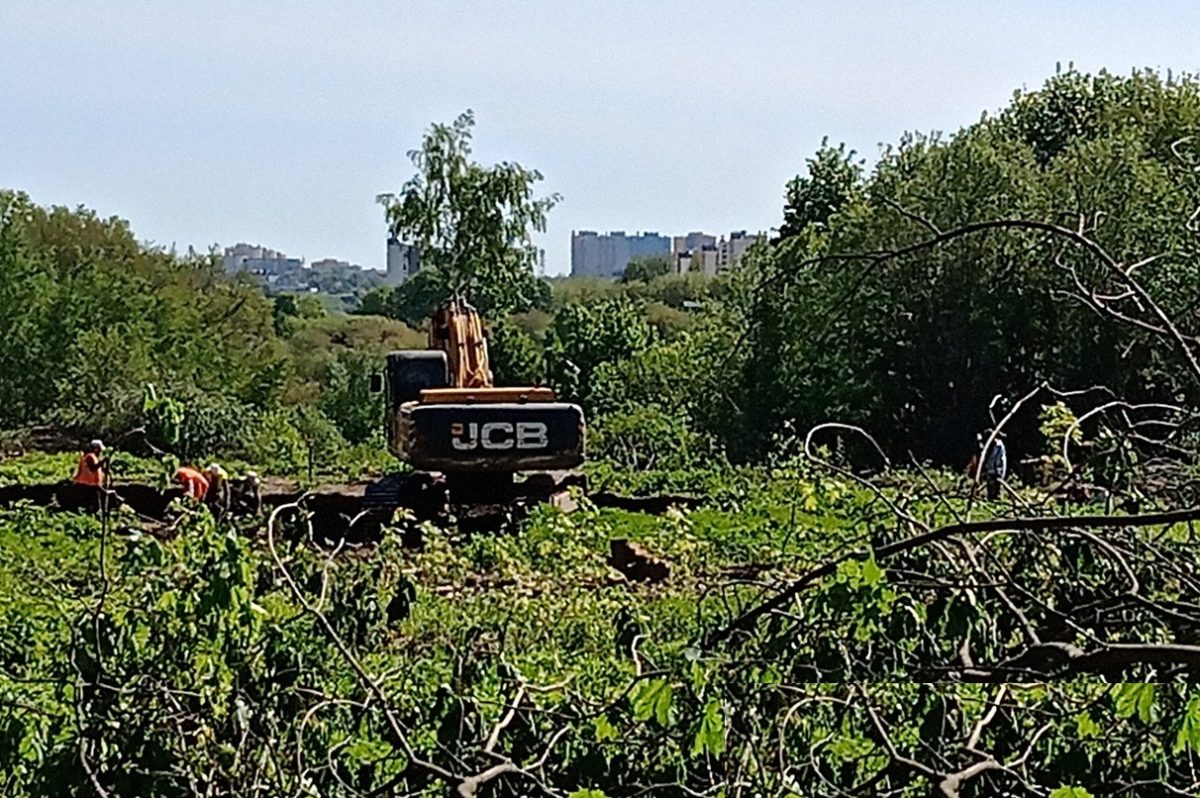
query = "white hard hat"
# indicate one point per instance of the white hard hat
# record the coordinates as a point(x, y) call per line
point(96, 444)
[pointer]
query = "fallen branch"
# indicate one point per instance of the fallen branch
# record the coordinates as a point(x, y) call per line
point(749, 619)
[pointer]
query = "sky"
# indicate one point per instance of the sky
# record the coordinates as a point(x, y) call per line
point(277, 123)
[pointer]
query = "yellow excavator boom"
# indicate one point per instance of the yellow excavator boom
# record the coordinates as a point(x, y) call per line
point(456, 328)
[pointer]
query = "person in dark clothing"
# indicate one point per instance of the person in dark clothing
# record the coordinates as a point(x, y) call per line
point(995, 466)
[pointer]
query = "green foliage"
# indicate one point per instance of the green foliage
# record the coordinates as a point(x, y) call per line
point(332, 359)
point(346, 398)
point(1059, 427)
point(288, 309)
point(164, 418)
point(188, 664)
point(1188, 737)
point(1070, 792)
point(44, 468)
point(587, 336)
point(914, 348)
point(517, 357)
point(652, 700)
point(471, 223)
point(648, 437)
point(90, 317)
point(414, 301)
point(566, 291)
point(833, 179)
point(203, 632)
point(710, 731)
point(1134, 699)
point(643, 270)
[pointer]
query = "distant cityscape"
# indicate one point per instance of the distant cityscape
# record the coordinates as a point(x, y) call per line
point(342, 280)
point(604, 255)
point(607, 255)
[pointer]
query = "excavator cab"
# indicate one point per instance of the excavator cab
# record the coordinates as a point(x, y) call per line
point(444, 413)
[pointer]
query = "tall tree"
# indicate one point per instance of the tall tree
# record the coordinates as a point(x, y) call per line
point(833, 177)
point(473, 224)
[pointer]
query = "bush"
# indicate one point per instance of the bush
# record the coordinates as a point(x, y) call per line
point(648, 437)
point(585, 337)
point(274, 443)
point(517, 357)
point(346, 398)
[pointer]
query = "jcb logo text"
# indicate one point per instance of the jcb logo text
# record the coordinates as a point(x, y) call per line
point(499, 435)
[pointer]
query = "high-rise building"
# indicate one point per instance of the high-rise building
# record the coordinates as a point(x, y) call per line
point(700, 252)
point(403, 261)
point(683, 247)
point(331, 265)
point(259, 260)
point(692, 241)
point(607, 255)
point(731, 251)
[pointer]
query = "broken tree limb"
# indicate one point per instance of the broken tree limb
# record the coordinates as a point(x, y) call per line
point(747, 620)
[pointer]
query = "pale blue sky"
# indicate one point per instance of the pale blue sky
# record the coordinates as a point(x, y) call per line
point(278, 123)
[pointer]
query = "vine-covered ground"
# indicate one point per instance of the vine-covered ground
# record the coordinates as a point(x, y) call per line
point(242, 660)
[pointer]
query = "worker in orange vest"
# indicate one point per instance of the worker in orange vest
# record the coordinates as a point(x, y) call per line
point(218, 497)
point(193, 483)
point(90, 470)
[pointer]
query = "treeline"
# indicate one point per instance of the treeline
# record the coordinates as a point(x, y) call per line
point(916, 347)
point(91, 319)
point(913, 298)
point(922, 297)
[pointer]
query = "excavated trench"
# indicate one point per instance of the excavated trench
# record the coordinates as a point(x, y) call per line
point(335, 515)
point(352, 514)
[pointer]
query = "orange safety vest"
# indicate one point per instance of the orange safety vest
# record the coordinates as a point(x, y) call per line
point(89, 472)
point(194, 483)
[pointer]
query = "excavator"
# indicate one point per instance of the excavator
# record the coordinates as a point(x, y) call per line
point(448, 420)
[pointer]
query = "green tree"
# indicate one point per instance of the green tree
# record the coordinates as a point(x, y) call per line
point(91, 315)
point(915, 347)
point(517, 357)
point(584, 337)
point(473, 224)
point(283, 309)
point(374, 302)
point(346, 397)
point(833, 177)
point(643, 270)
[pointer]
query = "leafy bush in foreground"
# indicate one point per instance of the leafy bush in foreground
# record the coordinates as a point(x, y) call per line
point(200, 664)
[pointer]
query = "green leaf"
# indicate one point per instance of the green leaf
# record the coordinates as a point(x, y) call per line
point(710, 733)
point(1070, 792)
point(1189, 728)
point(871, 572)
point(850, 747)
point(1085, 727)
point(653, 700)
point(588, 794)
point(604, 728)
point(1134, 698)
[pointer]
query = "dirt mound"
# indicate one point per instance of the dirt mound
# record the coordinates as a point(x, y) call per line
point(637, 564)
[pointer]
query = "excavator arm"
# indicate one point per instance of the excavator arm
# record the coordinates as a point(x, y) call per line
point(456, 329)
